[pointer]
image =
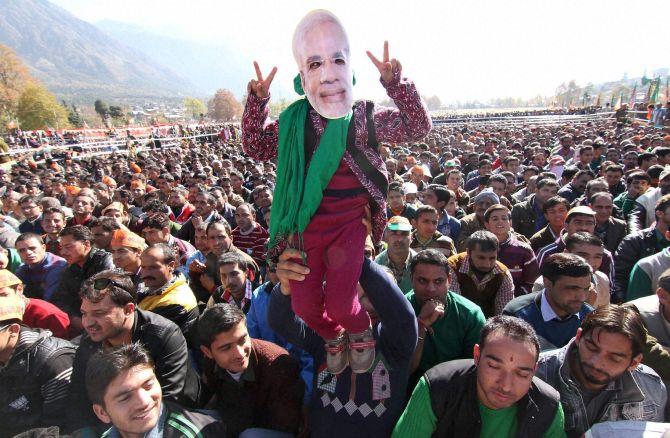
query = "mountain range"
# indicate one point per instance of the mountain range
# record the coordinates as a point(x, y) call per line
point(80, 61)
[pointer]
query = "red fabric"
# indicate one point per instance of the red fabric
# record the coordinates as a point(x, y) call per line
point(185, 214)
point(334, 242)
point(42, 314)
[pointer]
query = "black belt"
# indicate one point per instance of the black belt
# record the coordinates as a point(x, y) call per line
point(345, 193)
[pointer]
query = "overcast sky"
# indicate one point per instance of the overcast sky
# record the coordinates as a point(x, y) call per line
point(459, 50)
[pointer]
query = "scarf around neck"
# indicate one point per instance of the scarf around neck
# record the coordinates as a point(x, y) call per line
point(298, 191)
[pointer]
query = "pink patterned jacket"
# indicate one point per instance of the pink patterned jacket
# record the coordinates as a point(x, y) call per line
point(410, 122)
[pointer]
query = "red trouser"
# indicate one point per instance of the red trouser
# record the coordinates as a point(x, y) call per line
point(334, 242)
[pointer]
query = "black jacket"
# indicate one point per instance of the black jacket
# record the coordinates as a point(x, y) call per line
point(453, 397)
point(632, 248)
point(34, 382)
point(67, 295)
point(167, 347)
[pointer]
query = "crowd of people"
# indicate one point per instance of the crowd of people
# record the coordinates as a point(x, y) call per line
point(347, 270)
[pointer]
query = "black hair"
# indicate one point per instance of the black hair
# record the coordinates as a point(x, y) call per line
point(120, 295)
point(510, 327)
point(429, 257)
point(218, 319)
point(78, 232)
point(564, 265)
point(485, 240)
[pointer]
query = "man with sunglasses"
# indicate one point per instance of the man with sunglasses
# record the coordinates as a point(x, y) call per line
point(35, 370)
point(111, 318)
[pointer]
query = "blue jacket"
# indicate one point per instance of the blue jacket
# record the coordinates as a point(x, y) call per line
point(43, 279)
point(366, 404)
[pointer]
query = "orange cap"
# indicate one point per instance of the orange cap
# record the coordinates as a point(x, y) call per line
point(127, 238)
point(72, 190)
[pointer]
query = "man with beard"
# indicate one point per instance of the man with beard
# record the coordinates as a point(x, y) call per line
point(643, 215)
point(180, 206)
point(496, 394)
point(125, 393)
point(598, 373)
point(111, 319)
point(475, 221)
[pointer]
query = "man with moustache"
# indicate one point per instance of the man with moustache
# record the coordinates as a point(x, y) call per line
point(111, 318)
point(398, 255)
point(599, 375)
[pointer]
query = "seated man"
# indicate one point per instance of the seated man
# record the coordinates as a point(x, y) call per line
point(126, 248)
point(440, 338)
point(479, 276)
point(35, 370)
point(398, 254)
point(36, 313)
point(156, 229)
point(437, 196)
point(53, 222)
point(41, 271)
point(84, 261)
point(555, 211)
point(167, 293)
point(599, 375)
point(122, 385)
point(256, 383)
point(475, 221)
point(102, 229)
point(655, 310)
point(496, 395)
point(250, 236)
point(32, 211)
point(381, 390)
point(236, 288)
point(396, 205)
point(111, 318)
point(557, 311)
point(426, 235)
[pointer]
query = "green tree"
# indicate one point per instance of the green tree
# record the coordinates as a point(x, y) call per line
point(116, 112)
point(223, 106)
point(194, 107)
point(37, 108)
point(74, 117)
point(102, 109)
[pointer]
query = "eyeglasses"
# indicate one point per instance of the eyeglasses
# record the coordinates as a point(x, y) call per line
point(104, 283)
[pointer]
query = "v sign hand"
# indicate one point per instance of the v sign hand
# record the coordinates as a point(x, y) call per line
point(259, 86)
point(385, 66)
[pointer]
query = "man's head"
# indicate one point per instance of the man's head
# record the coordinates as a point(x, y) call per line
point(430, 275)
point(663, 293)
point(53, 221)
point(224, 337)
point(396, 197)
point(31, 248)
point(506, 359)
point(321, 50)
point(233, 269)
point(555, 210)
point(30, 208)
point(580, 180)
point(102, 229)
point(156, 228)
point(613, 175)
point(484, 199)
point(158, 264)
point(245, 216)
point(126, 248)
point(437, 196)
point(11, 315)
point(425, 221)
point(398, 238)
point(75, 244)
point(567, 281)
point(497, 220)
point(587, 246)
point(545, 188)
point(580, 218)
point(218, 237)
point(108, 301)
point(662, 211)
point(83, 205)
point(638, 183)
point(482, 249)
point(123, 388)
point(204, 204)
point(602, 204)
point(609, 343)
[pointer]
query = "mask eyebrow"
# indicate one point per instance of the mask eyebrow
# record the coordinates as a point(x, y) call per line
point(313, 58)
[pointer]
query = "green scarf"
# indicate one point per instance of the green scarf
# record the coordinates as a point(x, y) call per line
point(299, 193)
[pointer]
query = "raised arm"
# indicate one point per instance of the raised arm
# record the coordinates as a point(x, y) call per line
point(411, 121)
point(259, 138)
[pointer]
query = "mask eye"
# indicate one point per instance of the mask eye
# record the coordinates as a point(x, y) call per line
point(314, 65)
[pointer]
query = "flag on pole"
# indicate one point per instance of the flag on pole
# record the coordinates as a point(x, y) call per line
point(653, 90)
point(613, 100)
point(632, 97)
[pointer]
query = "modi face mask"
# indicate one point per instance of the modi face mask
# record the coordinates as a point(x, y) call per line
point(321, 49)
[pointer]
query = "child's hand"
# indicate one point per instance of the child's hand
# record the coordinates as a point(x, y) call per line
point(288, 270)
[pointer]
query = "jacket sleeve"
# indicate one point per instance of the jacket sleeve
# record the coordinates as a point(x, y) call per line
point(285, 400)
point(410, 122)
point(260, 139)
point(398, 328)
point(55, 382)
point(65, 296)
point(625, 259)
point(172, 364)
point(287, 324)
point(637, 218)
point(52, 282)
point(80, 413)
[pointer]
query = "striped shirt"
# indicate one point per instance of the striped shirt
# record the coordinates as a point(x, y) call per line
point(253, 242)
